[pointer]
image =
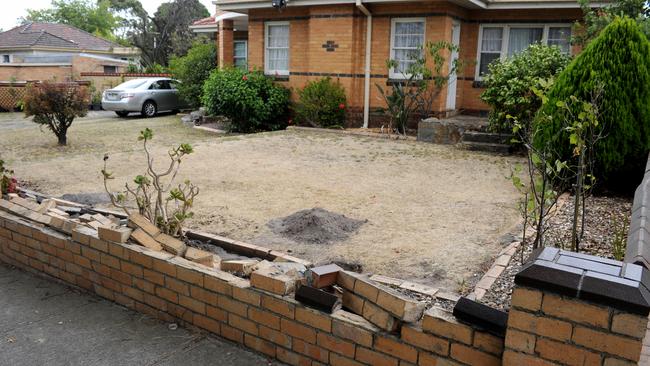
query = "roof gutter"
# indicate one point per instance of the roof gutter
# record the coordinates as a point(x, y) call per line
point(366, 81)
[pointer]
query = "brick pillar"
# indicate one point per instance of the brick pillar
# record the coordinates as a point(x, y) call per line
point(577, 309)
point(225, 43)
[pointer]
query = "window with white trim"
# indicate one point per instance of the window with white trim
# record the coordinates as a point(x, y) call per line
point(6, 59)
point(240, 54)
point(276, 45)
point(501, 41)
point(406, 42)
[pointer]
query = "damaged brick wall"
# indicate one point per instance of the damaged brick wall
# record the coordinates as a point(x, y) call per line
point(176, 290)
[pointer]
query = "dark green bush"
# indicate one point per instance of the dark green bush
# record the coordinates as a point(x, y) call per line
point(321, 104)
point(618, 60)
point(192, 70)
point(251, 100)
point(510, 83)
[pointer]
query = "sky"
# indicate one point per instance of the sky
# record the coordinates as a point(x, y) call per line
point(11, 11)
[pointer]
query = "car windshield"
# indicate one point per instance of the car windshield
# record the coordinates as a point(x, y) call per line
point(132, 84)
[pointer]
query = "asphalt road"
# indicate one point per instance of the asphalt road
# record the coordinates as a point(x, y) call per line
point(46, 323)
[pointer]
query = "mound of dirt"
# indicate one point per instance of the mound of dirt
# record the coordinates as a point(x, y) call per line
point(315, 226)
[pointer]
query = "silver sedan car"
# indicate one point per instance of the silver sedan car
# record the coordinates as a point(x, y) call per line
point(147, 96)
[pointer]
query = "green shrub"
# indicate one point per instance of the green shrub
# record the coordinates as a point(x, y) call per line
point(618, 60)
point(192, 70)
point(56, 105)
point(251, 100)
point(510, 84)
point(321, 104)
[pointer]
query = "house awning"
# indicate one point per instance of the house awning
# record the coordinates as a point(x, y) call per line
point(211, 24)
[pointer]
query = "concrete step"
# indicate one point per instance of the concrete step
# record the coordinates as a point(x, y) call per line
point(486, 147)
point(486, 137)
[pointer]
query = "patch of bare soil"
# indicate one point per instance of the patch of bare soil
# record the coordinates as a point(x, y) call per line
point(604, 222)
point(315, 226)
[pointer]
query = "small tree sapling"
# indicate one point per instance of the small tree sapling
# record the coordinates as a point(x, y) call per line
point(157, 197)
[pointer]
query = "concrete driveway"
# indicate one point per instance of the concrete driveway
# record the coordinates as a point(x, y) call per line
point(45, 323)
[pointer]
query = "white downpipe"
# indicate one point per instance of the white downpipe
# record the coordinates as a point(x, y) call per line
point(366, 85)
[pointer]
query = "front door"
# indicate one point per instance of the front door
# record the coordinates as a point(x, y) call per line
point(453, 78)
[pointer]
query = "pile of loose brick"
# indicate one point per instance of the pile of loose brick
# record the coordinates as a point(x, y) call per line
point(66, 217)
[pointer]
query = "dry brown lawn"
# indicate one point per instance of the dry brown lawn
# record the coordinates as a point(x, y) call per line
point(435, 213)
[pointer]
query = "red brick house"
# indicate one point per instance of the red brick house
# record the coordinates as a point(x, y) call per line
point(351, 41)
point(44, 51)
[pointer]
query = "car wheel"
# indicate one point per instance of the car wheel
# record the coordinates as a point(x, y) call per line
point(122, 114)
point(149, 109)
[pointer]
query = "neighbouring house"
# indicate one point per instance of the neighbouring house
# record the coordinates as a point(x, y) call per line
point(351, 41)
point(45, 51)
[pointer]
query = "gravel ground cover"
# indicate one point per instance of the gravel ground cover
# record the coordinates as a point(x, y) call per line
point(605, 220)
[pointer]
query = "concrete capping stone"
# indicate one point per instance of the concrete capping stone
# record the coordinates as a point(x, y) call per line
point(622, 286)
point(638, 240)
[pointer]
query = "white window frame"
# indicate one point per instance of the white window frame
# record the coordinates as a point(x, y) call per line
point(392, 74)
point(245, 57)
point(506, 38)
point(268, 71)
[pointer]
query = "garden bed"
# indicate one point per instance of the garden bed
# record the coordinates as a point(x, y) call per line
point(604, 222)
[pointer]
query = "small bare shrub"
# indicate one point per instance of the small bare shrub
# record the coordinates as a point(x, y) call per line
point(156, 195)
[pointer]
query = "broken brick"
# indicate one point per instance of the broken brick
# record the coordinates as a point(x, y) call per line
point(137, 221)
point(274, 280)
point(379, 317)
point(323, 276)
point(146, 240)
point(245, 266)
point(118, 235)
point(400, 306)
point(171, 244)
point(200, 256)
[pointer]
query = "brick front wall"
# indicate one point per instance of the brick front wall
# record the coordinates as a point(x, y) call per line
point(174, 289)
point(543, 328)
point(311, 27)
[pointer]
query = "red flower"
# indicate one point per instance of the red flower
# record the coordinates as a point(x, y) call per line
point(244, 78)
point(290, 122)
point(341, 106)
point(12, 186)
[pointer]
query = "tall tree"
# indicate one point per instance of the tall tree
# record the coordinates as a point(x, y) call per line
point(92, 16)
point(597, 18)
point(164, 35)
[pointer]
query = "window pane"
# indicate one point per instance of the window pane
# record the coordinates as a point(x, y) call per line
point(521, 38)
point(486, 59)
point(277, 48)
point(240, 49)
point(408, 39)
point(240, 63)
point(278, 36)
point(560, 36)
point(492, 38)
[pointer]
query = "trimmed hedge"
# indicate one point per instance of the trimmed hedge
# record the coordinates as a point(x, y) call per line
point(619, 60)
point(252, 101)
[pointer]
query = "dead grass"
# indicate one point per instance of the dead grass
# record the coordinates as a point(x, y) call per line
point(435, 213)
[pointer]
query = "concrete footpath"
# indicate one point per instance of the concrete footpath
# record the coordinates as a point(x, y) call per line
point(46, 323)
